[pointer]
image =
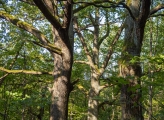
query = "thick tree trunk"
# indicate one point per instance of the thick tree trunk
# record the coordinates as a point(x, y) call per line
point(62, 74)
point(134, 31)
point(130, 97)
point(62, 30)
point(131, 94)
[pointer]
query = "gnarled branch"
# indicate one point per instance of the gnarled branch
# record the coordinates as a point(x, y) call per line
point(23, 25)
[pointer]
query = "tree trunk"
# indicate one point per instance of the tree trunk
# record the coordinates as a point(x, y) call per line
point(95, 83)
point(150, 88)
point(134, 31)
point(62, 30)
point(93, 101)
point(131, 108)
point(62, 73)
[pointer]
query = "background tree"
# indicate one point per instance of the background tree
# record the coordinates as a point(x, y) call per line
point(139, 11)
point(88, 28)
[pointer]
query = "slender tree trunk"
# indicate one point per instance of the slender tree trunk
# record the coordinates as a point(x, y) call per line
point(93, 102)
point(95, 83)
point(113, 110)
point(150, 102)
point(134, 31)
point(150, 88)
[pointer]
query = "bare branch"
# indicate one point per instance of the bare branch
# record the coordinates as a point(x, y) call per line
point(85, 4)
point(25, 71)
point(96, 4)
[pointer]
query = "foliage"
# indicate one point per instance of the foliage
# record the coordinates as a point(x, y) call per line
point(24, 96)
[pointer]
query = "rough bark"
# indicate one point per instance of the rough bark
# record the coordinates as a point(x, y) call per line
point(134, 31)
point(61, 86)
point(63, 38)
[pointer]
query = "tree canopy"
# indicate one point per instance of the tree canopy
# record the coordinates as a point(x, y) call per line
point(72, 59)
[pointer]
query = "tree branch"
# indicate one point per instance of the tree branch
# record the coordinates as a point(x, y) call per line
point(86, 50)
point(11, 64)
point(23, 25)
point(72, 84)
point(152, 71)
point(105, 86)
point(130, 12)
point(95, 3)
point(156, 15)
point(105, 36)
point(111, 48)
point(85, 4)
point(50, 17)
point(30, 2)
point(49, 46)
point(25, 71)
point(106, 102)
point(156, 9)
point(82, 62)
point(107, 31)
point(2, 78)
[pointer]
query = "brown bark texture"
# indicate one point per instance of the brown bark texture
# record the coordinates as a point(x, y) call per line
point(63, 38)
point(131, 71)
